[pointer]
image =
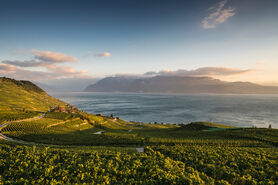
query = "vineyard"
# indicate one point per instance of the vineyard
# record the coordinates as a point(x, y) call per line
point(64, 145)
point(60, 115)
point(197, 153)
point(16, 115)
point(46, 130)
point(162, 164)
point(70, 129)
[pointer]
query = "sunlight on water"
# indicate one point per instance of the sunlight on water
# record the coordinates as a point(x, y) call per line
point(236, 110)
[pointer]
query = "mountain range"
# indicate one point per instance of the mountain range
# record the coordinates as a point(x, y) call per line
point(66, 84)
point(177, 84)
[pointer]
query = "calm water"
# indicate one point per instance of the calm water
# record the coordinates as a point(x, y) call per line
point(237, 110)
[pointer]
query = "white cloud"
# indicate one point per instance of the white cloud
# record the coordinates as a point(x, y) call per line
point(218, 15)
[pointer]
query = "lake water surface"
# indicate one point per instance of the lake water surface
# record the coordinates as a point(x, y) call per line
point(236, 110)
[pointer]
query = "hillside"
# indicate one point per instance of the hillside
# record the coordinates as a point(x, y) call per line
point(178, 84)
point(24, 95)
point(23, 99)
point(22, 102)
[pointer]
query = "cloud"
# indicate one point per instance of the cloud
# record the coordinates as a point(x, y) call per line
point(261, 63)
point(43, 59)
point(26, 63)
point(18, 73)
point(218, 15)
point(67, 71)
point(54, 57)
point(204, 71)
point(214, 72)
point(92, 54)
point(57, 72)
point(4, 67)
point(104, 54)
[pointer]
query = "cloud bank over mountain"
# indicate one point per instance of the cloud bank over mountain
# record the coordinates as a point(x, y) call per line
point(203, 71)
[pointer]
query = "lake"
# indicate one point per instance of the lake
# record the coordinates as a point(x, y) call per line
point(236, 110)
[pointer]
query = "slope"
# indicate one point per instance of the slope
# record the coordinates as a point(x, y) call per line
point(24, 95)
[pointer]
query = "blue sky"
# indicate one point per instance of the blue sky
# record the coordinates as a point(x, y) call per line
point(135, 37)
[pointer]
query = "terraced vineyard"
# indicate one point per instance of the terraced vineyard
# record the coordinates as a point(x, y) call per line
point(60, 115)
point(44, 128)
point(9, 115)
point(70, 129)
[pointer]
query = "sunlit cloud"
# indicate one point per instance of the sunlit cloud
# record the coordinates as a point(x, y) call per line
point(261, 64)
point(42, 59)
point(46, 60)
point(104, 54)
point(53, 56)
point(57, 72)
point(7, 68)
point(264, 76)
point(218, 15)
point(204, 71)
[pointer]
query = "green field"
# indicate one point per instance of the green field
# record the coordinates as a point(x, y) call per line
point(69, 146)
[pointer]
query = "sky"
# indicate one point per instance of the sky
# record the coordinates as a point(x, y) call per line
point(232, 40)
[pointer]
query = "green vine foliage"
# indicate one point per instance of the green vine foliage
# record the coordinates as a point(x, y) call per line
point(176, 164)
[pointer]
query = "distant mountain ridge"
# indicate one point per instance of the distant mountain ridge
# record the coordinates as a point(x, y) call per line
point(66, 84)
point(178, 84)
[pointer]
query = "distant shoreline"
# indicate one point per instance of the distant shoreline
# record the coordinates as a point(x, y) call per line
point(232, 109)
point(159, 93)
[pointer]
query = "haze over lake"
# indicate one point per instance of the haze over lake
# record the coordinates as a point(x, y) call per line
point(236, 110)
